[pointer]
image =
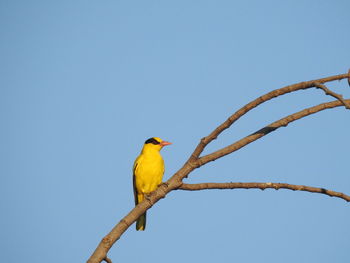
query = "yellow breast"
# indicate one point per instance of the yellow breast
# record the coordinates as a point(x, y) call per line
point(148, 171)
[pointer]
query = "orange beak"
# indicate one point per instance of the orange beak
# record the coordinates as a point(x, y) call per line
point(165, 143)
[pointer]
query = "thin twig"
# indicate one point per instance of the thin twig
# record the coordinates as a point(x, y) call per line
point(333, 94)
point(263, 186)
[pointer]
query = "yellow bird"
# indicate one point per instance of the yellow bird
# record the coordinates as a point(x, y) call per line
point(148, 173)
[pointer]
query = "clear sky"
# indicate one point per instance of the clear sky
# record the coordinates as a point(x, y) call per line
point(84, 83)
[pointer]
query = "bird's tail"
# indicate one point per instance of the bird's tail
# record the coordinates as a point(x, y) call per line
point(141, 223)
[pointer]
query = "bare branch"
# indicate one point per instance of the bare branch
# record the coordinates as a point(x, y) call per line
point(176, 180)
point(251, 105)
point(267, 129)
point(107, 242)
point(333, 94)
point(263, 186)
point(194, 161)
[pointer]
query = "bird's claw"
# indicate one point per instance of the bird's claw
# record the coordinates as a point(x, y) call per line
point(148, 197)
point(165, 184)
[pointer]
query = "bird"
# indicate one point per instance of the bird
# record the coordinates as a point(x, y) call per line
point(148, 173)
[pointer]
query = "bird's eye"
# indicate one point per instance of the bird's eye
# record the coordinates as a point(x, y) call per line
point(152, 140)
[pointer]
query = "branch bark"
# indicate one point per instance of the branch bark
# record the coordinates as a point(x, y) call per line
point(263, 186)
point(195, 161)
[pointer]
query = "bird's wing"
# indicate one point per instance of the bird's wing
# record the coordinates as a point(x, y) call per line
point(134, 182)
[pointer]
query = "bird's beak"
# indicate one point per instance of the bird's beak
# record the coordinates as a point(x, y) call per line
point(165, 143)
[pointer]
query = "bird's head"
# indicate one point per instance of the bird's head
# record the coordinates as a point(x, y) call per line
point(155, 143)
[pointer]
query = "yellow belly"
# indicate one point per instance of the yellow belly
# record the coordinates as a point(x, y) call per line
point(149, 173)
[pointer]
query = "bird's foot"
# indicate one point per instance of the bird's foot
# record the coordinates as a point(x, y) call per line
point(165, 184)
point(148, 197)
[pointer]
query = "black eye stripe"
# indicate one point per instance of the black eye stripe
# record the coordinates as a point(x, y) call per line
point(152, 140)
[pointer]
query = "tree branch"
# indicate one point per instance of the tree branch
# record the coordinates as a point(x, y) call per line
point(263, 186)
point(251, 105)
point(333, 94)
point(266, 130)
point(176, 180)
point(194, 161)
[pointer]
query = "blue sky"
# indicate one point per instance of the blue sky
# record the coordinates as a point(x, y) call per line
point(84, 83)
